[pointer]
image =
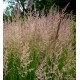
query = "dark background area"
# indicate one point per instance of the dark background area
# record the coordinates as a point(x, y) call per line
point(37, 6)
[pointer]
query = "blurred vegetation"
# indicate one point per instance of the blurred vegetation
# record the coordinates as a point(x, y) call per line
point(36, 6)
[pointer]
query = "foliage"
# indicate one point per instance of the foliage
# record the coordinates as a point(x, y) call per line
point(36, 6)
point(13, 67)
point(32, 53)
point(74, 37)
point(62, 59)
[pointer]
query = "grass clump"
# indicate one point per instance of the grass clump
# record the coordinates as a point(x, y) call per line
point(13, 67)
point(33, 53)
point(62, 59)
point(15, 70)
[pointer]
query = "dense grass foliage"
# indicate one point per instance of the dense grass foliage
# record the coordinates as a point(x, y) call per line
point(32, 51)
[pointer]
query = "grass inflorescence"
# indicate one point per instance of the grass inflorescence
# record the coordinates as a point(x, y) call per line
point(32, 51)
